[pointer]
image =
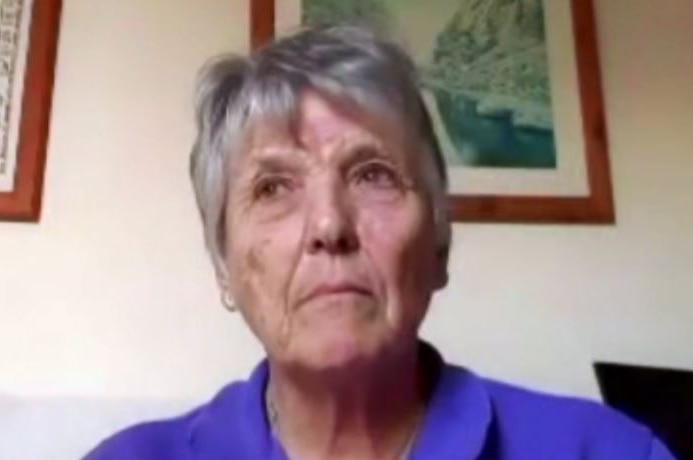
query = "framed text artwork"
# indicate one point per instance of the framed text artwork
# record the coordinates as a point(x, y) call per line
point(28, 43)
point(514, 91)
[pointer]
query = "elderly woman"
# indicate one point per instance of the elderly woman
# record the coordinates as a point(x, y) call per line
point(322, 193)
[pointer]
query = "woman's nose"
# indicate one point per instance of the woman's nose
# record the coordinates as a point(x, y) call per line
point(331, 223)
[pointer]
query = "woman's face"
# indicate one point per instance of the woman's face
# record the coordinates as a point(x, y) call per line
point(331, 253)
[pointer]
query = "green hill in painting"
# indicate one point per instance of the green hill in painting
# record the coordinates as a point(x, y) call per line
point(328, 12)
point(494, 52)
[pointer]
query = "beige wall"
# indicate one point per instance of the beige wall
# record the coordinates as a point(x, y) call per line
point(112, 295)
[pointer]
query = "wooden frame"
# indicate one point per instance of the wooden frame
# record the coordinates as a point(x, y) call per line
point(23, 202)
point(595, 208)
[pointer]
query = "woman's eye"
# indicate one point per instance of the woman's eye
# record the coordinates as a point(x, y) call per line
point(377, 175)
point(271, 187)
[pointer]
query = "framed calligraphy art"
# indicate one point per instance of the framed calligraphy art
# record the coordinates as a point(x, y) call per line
point(514, 91)
point(28, 46)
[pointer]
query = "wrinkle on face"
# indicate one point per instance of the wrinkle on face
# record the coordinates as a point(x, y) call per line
point(285, 334)
point(266, 295)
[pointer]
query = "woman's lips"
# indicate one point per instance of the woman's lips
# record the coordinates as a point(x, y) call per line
point(336, 289)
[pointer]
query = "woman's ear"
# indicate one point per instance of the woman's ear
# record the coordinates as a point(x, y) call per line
point(222, 276)
point(224, 284)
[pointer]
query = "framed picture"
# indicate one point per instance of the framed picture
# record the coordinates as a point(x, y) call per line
point(514, 91)
point(28, 44)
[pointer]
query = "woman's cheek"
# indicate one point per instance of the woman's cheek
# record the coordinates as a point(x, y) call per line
point(396, 226)
point(268, 265)
point(398, 241)
point(388, 234)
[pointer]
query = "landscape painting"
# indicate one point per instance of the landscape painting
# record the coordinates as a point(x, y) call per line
point(514, 91)
point(483, 68)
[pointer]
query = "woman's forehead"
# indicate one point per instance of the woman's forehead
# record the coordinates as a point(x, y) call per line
point(317, 122)
point(320, 121)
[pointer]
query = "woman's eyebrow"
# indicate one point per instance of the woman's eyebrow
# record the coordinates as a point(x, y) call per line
point(364, 151)
point(275, 160)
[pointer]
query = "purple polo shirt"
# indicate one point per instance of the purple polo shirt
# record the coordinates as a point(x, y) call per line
point(468, 418)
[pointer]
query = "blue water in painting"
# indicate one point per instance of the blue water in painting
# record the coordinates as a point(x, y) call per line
point(493, 141)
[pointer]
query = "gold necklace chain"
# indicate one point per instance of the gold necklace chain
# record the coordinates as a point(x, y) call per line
point(273, 418)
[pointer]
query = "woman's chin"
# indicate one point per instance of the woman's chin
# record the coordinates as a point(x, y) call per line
point(335, 334)
point(334, 350)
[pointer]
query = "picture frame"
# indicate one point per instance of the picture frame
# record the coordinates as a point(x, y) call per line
point(28, 47)
point(595, 205)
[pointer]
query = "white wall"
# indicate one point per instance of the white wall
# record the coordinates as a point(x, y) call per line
point(112, 295)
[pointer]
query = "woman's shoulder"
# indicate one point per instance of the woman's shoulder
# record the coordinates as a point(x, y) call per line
point(167, 438)
point(534, 418)
point(513, 401)
point(147, 440)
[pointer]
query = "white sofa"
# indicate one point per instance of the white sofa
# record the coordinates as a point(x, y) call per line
point(66, 428)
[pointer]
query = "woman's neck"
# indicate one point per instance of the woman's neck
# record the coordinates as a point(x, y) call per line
point(365, 413)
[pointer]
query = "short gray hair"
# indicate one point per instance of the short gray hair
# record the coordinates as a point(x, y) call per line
point(350, 64)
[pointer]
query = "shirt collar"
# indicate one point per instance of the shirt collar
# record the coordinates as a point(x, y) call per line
point(234, 424)
point(458, 416)
point(455, 426)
